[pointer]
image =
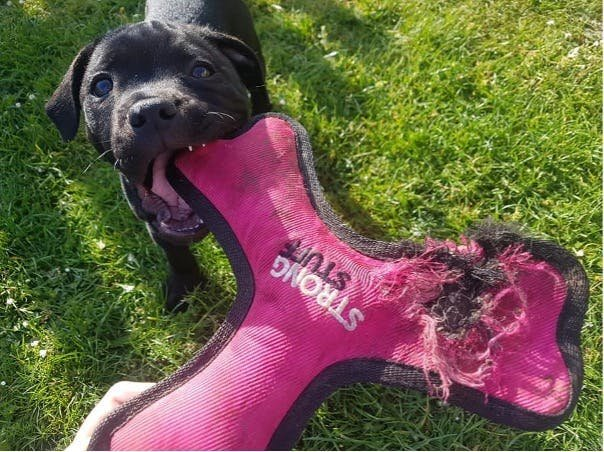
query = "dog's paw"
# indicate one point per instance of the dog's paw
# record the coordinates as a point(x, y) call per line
point(179, 285)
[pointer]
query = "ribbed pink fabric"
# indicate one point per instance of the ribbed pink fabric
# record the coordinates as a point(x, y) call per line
point(288, 338)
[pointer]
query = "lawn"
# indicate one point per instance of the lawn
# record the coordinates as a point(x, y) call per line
point(426, 117)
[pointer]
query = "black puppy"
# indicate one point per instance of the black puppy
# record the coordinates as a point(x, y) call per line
point(191, 73)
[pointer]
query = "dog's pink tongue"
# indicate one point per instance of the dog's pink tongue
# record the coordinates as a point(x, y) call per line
point(179, 210)
point(160, 185)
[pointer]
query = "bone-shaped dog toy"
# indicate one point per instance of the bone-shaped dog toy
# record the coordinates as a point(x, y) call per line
point(491, 325)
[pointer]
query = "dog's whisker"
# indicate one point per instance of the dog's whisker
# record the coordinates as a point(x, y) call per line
point(221, 114)
point(96, 160)
point(215, 113)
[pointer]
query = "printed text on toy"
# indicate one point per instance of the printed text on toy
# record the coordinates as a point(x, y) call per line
point(312, 281)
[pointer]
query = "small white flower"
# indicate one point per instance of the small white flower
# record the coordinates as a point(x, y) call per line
point(100, 244)
point(568, 35)
point(416, 232)
point(550, 22)
point(67, 269)
point(43, 353)
point(126, 287)
point(17, 104)
point(10, 302)
point(25, 323)
point(331, 54)
point(34, 343)
point(131, 259)
point(31, 96)
point(579, 253)
point(281, 101)
point(2, 383)
point(574, 52)
point(277, 7)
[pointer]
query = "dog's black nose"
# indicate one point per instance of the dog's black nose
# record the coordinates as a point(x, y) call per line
point(152, 111)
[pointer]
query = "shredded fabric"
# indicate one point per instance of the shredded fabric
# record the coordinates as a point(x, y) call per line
point(448, 290)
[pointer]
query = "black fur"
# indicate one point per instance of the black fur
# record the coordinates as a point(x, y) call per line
point(156, 106)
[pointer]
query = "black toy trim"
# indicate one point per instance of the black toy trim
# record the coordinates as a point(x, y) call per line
point(491, 237)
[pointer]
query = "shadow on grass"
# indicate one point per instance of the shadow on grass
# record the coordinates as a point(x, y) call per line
point(82, 302)
point(334, 94)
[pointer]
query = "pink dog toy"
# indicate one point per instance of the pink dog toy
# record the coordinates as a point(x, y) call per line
point(492, 325)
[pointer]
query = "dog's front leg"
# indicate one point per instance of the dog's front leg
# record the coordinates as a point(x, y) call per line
point(184, 274)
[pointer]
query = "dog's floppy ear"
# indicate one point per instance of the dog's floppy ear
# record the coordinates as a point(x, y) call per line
point(64, 105)
point(249, 66)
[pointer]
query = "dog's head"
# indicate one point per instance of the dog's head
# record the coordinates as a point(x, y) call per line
point(148, 90)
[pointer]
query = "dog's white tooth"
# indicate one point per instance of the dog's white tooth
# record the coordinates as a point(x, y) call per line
point(203, 145)
point(190, 148)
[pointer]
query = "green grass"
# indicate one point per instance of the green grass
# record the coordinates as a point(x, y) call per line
point(431, 116)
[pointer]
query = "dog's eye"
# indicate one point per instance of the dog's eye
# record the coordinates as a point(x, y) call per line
point(102, 87)
point(202, 70)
